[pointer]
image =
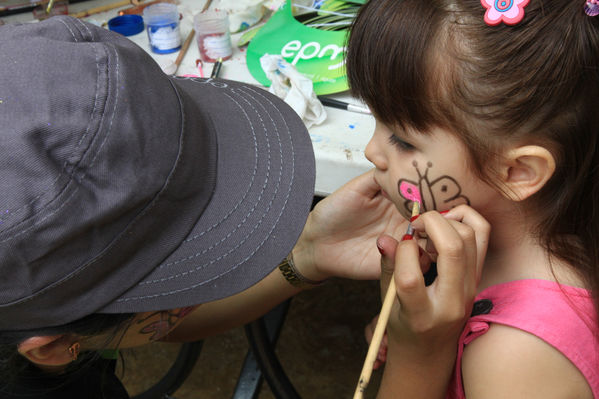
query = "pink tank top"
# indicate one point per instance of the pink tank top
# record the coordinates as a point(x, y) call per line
point(567, 322)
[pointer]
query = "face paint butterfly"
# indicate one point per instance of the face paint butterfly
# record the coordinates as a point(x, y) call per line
point(441, 193)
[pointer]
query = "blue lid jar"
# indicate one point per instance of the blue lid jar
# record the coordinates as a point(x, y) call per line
point(162, 25)
point(126, 25)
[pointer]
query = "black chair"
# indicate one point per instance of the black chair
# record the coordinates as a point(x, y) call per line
point(260, 362)
point(176, 375)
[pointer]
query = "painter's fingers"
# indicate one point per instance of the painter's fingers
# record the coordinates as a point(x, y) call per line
point(456, 261)
point(387, 246)
point(482, 230)
point(409, 280)
point(364, 184)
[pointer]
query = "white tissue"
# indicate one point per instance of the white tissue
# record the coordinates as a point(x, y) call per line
point(243, 13)
point(294, 88)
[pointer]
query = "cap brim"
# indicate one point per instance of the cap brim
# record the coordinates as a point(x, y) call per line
point(262, 196)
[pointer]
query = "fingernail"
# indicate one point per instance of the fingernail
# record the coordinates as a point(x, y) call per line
point(414, 218)
point(444, 212)
point(407, 237)
point(381, 250)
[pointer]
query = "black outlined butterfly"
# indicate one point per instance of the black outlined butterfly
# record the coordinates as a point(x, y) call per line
point(441, 193)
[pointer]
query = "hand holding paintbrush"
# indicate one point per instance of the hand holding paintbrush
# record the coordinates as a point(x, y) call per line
point(381, 324)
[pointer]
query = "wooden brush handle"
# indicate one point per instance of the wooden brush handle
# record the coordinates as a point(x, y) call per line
point(185, 47)
point(375, 343)
point(96, 10)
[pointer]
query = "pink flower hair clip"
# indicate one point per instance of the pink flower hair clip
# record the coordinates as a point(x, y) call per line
point(591, 7)
point(509, 12)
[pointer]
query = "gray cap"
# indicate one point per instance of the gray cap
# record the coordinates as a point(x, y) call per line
point(125, 190)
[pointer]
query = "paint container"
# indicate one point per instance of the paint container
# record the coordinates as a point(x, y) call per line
point(162, 23)
point(126, 25)
point(214, 38)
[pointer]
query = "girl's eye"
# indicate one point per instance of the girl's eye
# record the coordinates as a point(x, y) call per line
point(393, 139)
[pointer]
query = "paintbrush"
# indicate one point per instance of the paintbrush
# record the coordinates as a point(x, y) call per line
point(206, 5)
point(381, 324)
point(99, 9)
point(50, 5)
point(172, 67)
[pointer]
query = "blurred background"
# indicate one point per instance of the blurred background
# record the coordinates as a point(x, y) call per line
point(321, 348)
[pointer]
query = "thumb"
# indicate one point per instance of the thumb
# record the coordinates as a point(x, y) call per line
point(387, 246)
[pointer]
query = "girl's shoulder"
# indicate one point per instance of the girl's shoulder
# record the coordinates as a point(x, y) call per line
point(509, 362)
point(533, 336)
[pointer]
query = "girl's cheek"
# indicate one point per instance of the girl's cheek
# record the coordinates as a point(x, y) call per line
point(433, 191)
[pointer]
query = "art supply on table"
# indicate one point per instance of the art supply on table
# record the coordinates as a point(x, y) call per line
point(58, 7)
point(295, 88)
point(138, 9)
point(216, 69)
point(162, 25)
point(171, 69)
point(206, 5)
point(381, 324)
point(199, 66)
point(126, 25)
point(331, 102)
point(50, 5)
point(103, 8)
point(214, 38)
point(184, 48)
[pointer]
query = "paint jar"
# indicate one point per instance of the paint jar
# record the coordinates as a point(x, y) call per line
point(126, 25)
point(214, 38)
point(162, 25)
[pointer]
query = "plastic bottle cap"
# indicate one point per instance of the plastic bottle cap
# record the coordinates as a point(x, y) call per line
point(126, 25)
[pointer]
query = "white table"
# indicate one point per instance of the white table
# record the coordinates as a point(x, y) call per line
point(338, 142)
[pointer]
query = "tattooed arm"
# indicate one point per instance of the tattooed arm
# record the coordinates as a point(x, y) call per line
point(334, 243)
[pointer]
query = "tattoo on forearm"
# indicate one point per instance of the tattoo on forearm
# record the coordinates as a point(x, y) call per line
point(168, 319)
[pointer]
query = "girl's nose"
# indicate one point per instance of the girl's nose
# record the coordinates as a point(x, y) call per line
point(374, 153)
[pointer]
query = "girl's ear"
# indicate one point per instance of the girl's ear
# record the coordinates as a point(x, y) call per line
point(47, 350)
point(525, 170)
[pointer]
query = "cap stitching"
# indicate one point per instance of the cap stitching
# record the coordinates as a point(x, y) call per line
point(8, 215)
point(269, 233)
point(93, 47)
point(198, 235)
point(116, 101)
point(91, 34)
point(69, 28)
point(212, 246)
point(75, 273)
point(9, 238)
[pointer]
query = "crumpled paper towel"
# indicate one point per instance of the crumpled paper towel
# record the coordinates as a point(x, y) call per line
point(294, 88)
point(243, 13)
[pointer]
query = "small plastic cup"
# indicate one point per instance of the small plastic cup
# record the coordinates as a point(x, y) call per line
point(213, 36)
point(162, 23)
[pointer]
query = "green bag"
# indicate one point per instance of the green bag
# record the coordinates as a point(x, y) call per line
point(318, 54)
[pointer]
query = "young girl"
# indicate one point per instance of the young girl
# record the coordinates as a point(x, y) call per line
point(486, 111)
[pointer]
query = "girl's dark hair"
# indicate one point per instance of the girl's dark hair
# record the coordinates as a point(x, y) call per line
point(420, 64)
point(13, 365)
